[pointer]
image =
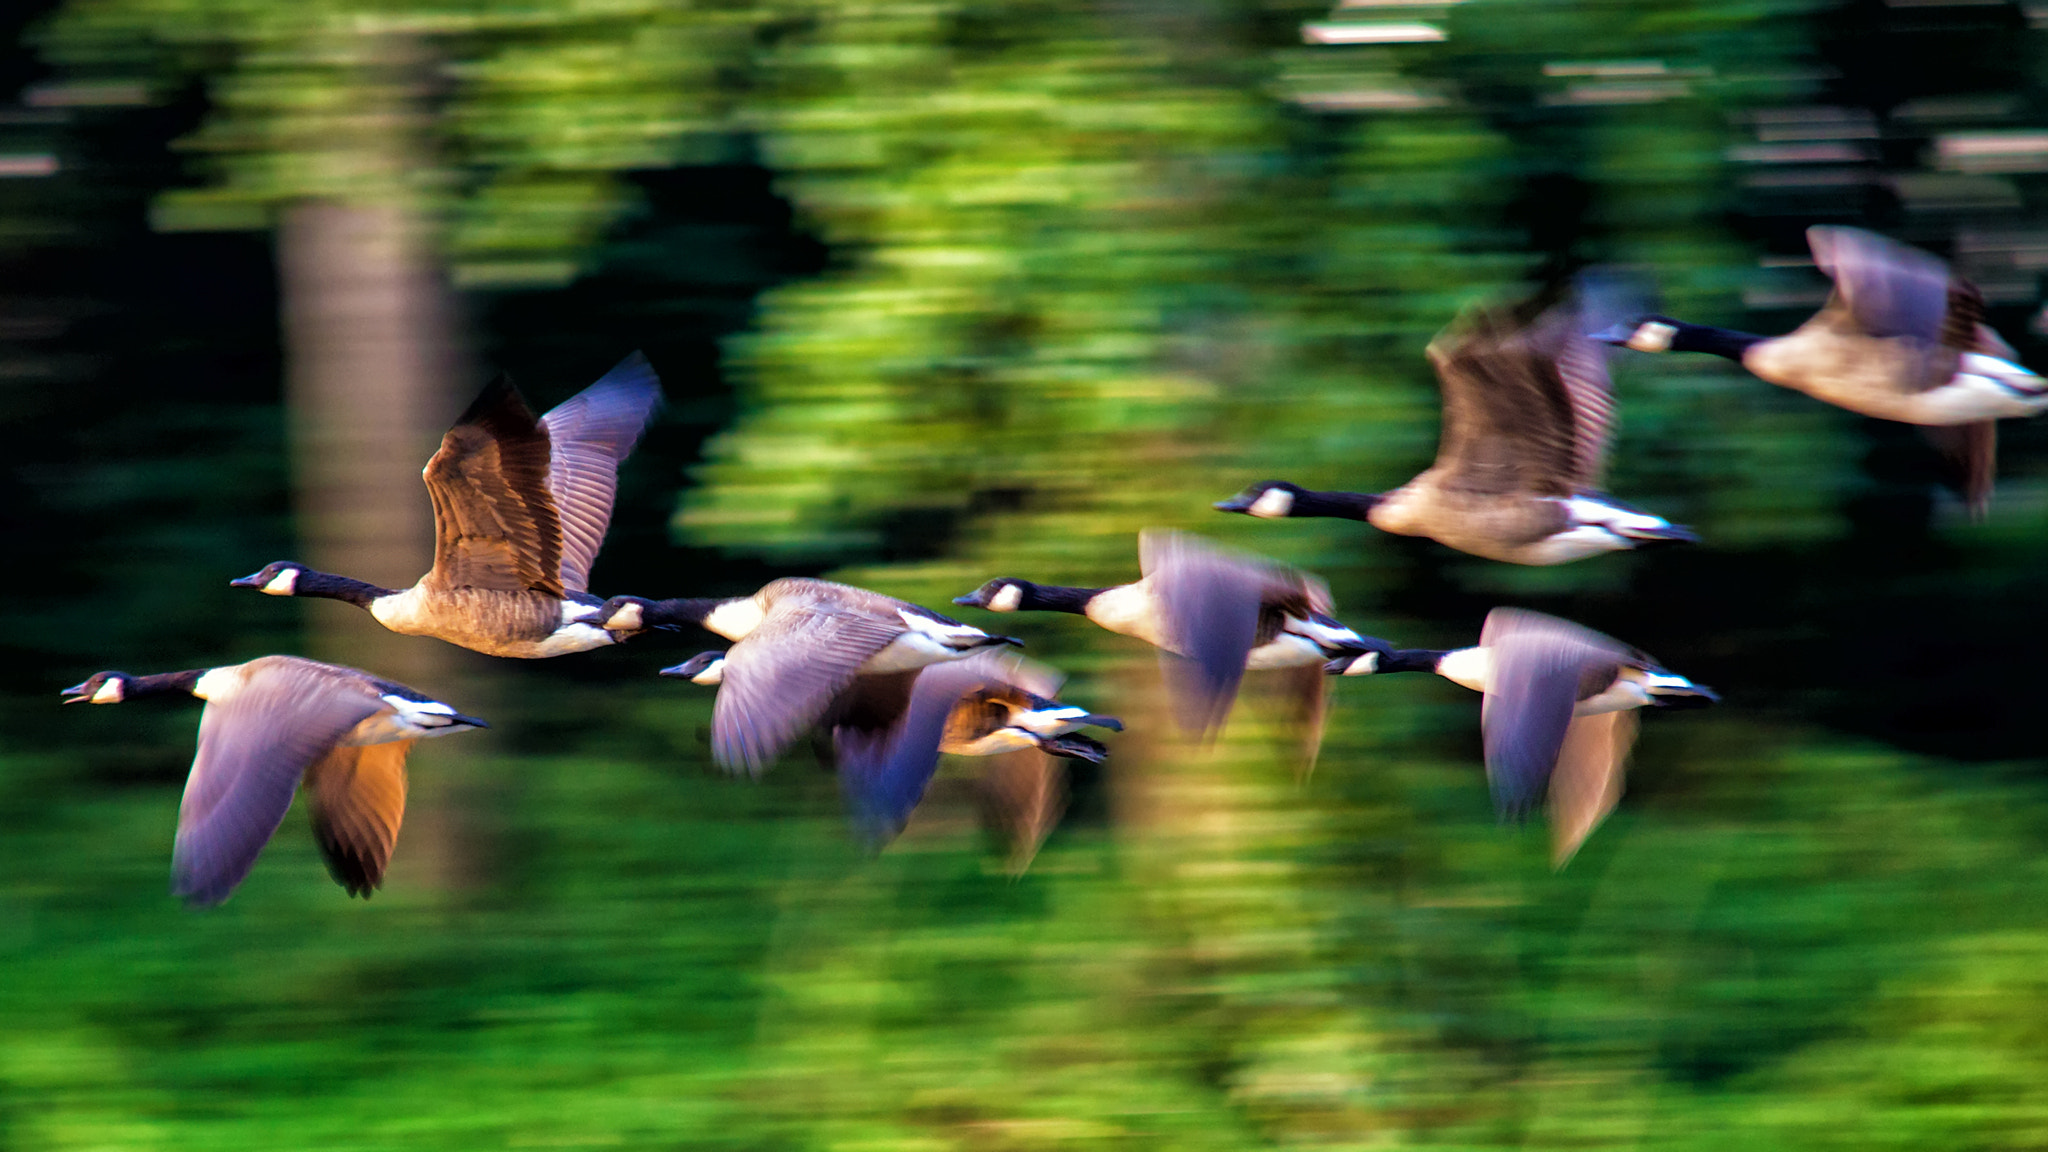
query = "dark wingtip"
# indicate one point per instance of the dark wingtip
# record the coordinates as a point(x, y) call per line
point(1667, 535)
point(1109, 722)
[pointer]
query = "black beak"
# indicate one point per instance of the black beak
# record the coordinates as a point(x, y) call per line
point(680, 671)
point(76, 694)
point(253, 580)
point(1697, 698)
point(971, 600)
point(1237, 503)
point(1616, 334)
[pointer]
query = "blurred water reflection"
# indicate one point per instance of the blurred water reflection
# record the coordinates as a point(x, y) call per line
point(946, 291)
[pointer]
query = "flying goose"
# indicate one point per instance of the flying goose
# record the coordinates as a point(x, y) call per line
point(1526, 414)
point(799, 644)
point(1558, 713)
point(1900, 338)
point(520, 509)
point(888, 730)
point(268, 725)
point(1216, 615)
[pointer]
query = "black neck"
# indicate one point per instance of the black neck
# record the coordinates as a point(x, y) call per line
point(1057, 598)
point(161, 684)
point(1411, 660)
point(678, 612)
point(1713, 341)
point(328, 586)
point(1341, 505)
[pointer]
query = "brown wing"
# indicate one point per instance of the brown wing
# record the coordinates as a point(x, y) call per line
point(1022, 797)
point(1508, 422)
point(495, 525)
point(358, 801)
point(589, 434)
point(253, 748)
point(781, 678)
point(1307, 689)
point(1587, 782)
point(1581, 368)
point(1971, 453)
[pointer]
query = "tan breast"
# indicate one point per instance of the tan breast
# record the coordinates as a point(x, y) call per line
point(515, 624)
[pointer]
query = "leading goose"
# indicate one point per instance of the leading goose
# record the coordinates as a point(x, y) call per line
point(1526, 414)
point(888, 731)
point(268, 724)
point(520, 509)
point(1900, 338)
point(1216, 615)
point(799, 644)
point(1558, 714)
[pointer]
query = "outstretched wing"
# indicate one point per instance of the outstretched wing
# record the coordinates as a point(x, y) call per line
point(1210, 603)
point(884, 768)
point(1887, 288)
point(1509, 419)
point(495, 525)
point(253, 748)
point(590, 434)
point(1541, 667)
point(358, 796)
point(781, 678)
point(1587, 782)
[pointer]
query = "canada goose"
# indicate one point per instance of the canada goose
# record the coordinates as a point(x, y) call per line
point(520, 509)
point(1900, 338)
point(888, 729)
point(267, 724)
point(1216, 614)
point(1557, 714)
point(799, 645)
point(1526, 409)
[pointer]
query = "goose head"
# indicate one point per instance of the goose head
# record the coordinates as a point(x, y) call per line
point(618, 614)
point(1268, 500)
point(99, 688)
point(278, 578)
point(1003, 594)
point(703, 668)
point(1644, 334)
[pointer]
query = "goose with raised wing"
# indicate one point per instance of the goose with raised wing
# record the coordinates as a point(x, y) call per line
point(889, 729)
point(1558, 716)
point(521, 506)
point(1901, 338)
point(799, 645)
point(269, 725)
point(1527, 409)
point(1214, 615)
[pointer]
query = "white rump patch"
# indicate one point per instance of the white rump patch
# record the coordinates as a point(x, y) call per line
point(951, 635)
point(1057, 721)
point(1273, 504)
point(1287, 650)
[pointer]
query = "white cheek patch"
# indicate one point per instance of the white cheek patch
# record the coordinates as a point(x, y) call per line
point(1007, 598)
point(1653, 337)
point(629, 618)
point(285, 583)
point(1273, 504)
point(715, 674)
point(109, 692)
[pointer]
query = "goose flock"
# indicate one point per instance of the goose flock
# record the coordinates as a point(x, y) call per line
point(884, 686)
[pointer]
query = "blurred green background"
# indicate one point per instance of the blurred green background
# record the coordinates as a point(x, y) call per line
point(942, 290)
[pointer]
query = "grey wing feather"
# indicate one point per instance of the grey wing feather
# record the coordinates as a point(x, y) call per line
point(781, 678)
point(253, 748)
point(1210, 601)
point(1539, 664)
point(589, 434)
point(1888, 288)
point(1581, 369)
point(884, 772)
